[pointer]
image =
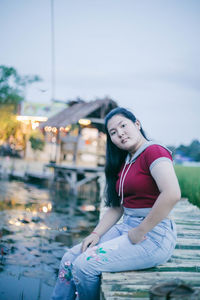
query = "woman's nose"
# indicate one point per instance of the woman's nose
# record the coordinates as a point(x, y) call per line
point(120, 132)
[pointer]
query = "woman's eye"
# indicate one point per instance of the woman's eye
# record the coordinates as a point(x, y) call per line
point(112, 133)
point(123, 125)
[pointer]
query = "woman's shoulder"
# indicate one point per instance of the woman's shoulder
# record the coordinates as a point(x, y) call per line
point(156, 152)
point(158, 149)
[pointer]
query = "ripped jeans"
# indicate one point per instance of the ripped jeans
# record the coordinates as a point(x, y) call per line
point(79, 274)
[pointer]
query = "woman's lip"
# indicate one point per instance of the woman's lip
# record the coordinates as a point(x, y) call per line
point(124, 140)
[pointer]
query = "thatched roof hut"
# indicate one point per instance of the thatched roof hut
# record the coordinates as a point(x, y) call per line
point(94, 110)
point(59, 128)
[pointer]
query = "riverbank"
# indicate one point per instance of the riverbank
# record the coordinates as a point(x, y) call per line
point(23, 169)
point(8, 164)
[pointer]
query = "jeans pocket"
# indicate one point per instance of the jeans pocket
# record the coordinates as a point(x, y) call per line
point(157, 235)
point(149, 245)
point(159, 231)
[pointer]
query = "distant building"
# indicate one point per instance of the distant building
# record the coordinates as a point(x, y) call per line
point(180, 158)
point(76, 134)
point(33, 113)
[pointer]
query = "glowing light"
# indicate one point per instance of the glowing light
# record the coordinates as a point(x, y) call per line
point(35, 125)
point(88, 207)
point(45, 209)
point(31, 118)
point(67, 128)
point(47, 128)
point(17, 223)
point(54, 129)
point(49, 206)
point(84, 122)
point(43, 227)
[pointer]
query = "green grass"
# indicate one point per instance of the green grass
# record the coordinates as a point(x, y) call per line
point(189, 180)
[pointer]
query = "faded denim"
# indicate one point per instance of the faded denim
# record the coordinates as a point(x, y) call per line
point(79, 275)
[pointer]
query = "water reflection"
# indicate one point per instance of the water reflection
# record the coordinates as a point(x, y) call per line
point(37, 224)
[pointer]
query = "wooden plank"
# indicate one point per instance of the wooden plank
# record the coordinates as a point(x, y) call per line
point(137, 295)
point(138, 285)
point(87, 179)
point(76, 168)
point(16, 175)
point(148, 276)
point(116, 295)
point(186, 254)
point(38, 175)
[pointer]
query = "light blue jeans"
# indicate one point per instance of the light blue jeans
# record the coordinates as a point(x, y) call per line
point(79, 274)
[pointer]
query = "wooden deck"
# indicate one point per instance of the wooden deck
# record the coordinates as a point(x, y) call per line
point(184, 264)
point(75, 175)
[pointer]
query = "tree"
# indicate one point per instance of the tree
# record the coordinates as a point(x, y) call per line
point(11, 130)
point(36, 139)
point(12, 87)
point(37, 142)
point(192, 151)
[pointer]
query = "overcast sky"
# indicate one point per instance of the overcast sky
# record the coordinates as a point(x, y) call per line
point(145, 54)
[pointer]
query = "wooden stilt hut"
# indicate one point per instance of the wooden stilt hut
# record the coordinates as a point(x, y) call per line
point(70, 132)
point(78, 131)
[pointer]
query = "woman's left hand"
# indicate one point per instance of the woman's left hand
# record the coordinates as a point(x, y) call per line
point(136, 236)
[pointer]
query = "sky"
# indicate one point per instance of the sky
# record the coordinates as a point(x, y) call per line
point(144, 54)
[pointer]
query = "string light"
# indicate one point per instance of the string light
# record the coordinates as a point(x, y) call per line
point(84, 122)
point(67, 128)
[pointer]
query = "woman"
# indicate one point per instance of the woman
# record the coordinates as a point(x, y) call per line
point(141, 186)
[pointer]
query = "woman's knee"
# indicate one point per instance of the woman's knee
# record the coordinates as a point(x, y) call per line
point(71, 255)
point(83, 266)
point(79, 264)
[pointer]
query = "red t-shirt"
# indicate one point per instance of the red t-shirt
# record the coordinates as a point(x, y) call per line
point(139, 188)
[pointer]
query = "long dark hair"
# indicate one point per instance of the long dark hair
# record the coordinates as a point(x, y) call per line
point(115, 157)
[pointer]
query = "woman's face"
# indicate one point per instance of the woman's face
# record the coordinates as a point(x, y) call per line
point(125, 134)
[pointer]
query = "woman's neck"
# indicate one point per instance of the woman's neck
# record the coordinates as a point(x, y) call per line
point(140, 143)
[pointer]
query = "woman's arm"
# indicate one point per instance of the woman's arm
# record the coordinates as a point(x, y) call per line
point(112, 215)
point(166, 180)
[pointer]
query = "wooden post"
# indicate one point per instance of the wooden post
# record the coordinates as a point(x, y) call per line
point(73, 188)
point(57, 153)
point(76, 147)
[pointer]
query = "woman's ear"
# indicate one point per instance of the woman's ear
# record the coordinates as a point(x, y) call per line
point(137, 124)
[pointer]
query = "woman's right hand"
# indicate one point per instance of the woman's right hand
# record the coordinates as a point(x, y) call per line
point(90, 241)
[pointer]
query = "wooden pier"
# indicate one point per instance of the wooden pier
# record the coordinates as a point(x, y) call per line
point(184, 264)
point(75, 175)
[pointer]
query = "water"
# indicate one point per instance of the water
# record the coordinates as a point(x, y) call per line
point(37, 225)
